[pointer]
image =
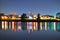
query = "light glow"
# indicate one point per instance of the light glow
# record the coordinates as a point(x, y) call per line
point(6, 25)
point(2, 24)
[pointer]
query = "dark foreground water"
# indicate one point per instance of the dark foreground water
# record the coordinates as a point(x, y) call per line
point(24, 35)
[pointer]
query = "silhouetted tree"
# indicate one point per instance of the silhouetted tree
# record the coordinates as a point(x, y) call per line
point(38, 21)
point(23, 15)
point(24, 24)
point(38, 15)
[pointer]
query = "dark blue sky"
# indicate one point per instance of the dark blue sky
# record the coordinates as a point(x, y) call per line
point(36, 6)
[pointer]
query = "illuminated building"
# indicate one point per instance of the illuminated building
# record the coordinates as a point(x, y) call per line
point(12, 24)
point(4, 23)
point(48, 25)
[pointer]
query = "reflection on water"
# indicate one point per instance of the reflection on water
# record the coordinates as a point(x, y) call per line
point(30, 26)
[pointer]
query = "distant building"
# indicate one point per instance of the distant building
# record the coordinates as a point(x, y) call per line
point(58, 23)
point(58, 15)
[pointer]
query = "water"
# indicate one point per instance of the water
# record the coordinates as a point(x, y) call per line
point(30, 25)
point(24, 35)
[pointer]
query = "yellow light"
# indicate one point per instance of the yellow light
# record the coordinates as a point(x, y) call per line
point(12, 25)
point(34, 25)
point(40, 25)
point(45, 25)
point(34, 28)
point(13, 17)
point(2, 17)
point(6, 25)
point(58, 19)
point(9, 25)
point(54, 25)
point(6, 17)
point(41, 18)
point(2, 24)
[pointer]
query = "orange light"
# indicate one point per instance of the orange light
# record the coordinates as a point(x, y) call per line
point(2, 17)
point(6, 17)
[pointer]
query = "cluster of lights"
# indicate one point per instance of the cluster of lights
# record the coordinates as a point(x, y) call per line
point(34, 24)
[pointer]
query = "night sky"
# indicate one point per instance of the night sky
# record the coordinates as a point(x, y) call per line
point(25, 6)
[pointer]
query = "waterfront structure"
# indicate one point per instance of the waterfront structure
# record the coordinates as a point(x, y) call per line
point(4, 23)
point(14, 24)
point(48, 25)
point(29, 25)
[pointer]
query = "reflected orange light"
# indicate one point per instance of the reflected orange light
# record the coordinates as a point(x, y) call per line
point(34, 25)
point(40, 25)
point(12, 25)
